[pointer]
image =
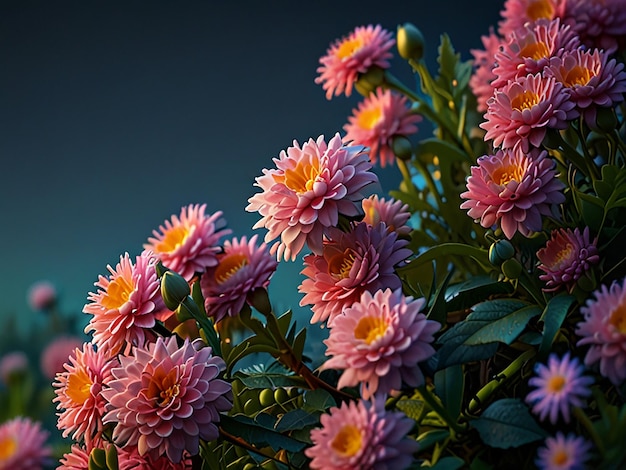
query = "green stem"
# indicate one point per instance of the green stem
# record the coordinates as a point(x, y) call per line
point(434, 403)
point(527, 283)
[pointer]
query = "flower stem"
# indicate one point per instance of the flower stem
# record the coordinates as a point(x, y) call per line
point(434, 403)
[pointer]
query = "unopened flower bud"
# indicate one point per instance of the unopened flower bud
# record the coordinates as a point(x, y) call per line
point(174, 289)
point(402, 147)
point(410, 42)
point(367, 82)
point(260, 300)
point(500, 251)
point(511, 268)
point(606, 119)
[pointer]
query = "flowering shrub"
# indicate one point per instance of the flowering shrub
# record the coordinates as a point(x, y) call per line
point(476, 315)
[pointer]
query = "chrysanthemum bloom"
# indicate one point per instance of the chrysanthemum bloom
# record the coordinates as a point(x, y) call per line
point(242, 267)
point(308, 190)
point(365, 47)
point(517, 13)
point(165, 398)
point(78, 400)
point(484, 62)
point(379, 341)
point(362, 435)
point(130, 459)
point(604, 330)
point(514, 190)
point(22, 445)
point(600, 24)
point(11, 365)
point(529, 50)
point(76, 459)
point(42, 295)
point(563, 453)
point(125, 305)
point(566, 257)
point(55, 354)
point(189, 243)
point(395, 214)
point(519, 114)
point(351, 263)
point(592, 79)
point(379, 118)
point(559, 386)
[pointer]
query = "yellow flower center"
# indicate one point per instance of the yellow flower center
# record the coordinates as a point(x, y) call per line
point(535, 51)
point(507, 173)
point(348, 441)
point(525, 100)
point(348, 47)
point(560, 457)
point(564, 254)
point(8, 447)
point(368, 118)
point(370, 329)
point(301, 178)
point(228, 266)
point(172, 239)
point(556, 384)
point(163, 387)
point(540, 9)
point(578, 76)
point(118, 293)
point(618, 318)
point(78, 386)
point(340, 265)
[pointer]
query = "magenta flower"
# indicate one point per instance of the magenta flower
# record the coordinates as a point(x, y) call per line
point(566, 257)
point(362, 260)
point(395, 214)
point(604, 330)
point(126, 304)
point(362, 435)
point(22, 445)
point(166, 398)
point(563, 453)
point(310, 187)
point(55, 354)
point(12, 364)
point(379, 118)
point(600, 24)
point(514, 190)
point(189, 244)
point(483, 76)
point(517, 13)
point(365, 47)
point(559, 386)
point(519, 113)
point(42, 296)
point(379, 341)
point(242, 267)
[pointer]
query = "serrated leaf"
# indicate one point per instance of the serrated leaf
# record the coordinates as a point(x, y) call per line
point(411, 407)
point(248, 430)
point(296, 419)
point(318, 400)
point(505, 329)
point(448, 57)
point(553, 316)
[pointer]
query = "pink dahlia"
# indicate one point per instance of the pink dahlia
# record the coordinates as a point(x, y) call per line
point(379, 341)
point(78, 400)
point(310, 187)
point(395, 214)
point(379, 118)
point(519, 114)
point(566, 257)
point(12, 364)
point(242, 267)
point(484, 62)
point(165, 398)
point(362, 260)
point(22, 445)
point(76, 459)
point(365, 47)
point(129, 458)
point(42, 296)
point(517, 13)
point(126, 304)
point(514, 190)
point(362, 435)
point(600, 24)
point(55, 354)
point(604, 330)
point(592, 79)
point(189, 243)
point(564, 453)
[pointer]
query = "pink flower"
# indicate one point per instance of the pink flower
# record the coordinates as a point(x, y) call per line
point(600, 24)
point(42, 296)
point(242, 267)
point(362, 260)
point(79, 402)
point(130, 459)
point(310, 187)
point(55, 354)
point(362, 435)
point(563, 453)
point(125, 305)
point(379, 341)
point(76, 459)
point(484, 62)
point(395, 214)
point(519, 114)
point(517, 13)
point(12, 364)
point(566, 257)
point(365, 47)
point(604, 330)
point(189, 244)
point(379, 118)
point(166, 398)
point(514, 190)
point(22, 442)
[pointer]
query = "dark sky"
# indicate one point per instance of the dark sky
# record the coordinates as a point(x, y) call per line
point(115, 114)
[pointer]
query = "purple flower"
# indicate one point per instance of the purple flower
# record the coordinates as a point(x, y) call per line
point(563, 453)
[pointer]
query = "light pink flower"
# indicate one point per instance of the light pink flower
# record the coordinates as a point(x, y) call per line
point(351, 263)
point(604, 330)
point(562, 452)
point(76, 459)
point(395, 214)
point(379, 341)
point(78, 400)
point(307, 191)
point(242, 267)
point(566, 257)
point(346, 58)
point(55, 354)
point(362, 435)
point(12, 364)
point(600, 24)
point(23, 445)
point(125, 305)
point(189, 243)
point(42, 296)
point(519, 114)
point(379, 118)
point(165, 398)
point(514, 190)
point(484, 62)
point(518, 13)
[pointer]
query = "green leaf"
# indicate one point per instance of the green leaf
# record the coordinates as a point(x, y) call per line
point(468, 293)
point(411, 407)
point(438, 310)
point(296, 419)
point(449, 388)
point(553, 316)
point(448, 463)
point(505, 329)
point(269, 380)
point(433, 147)
point(299, 343)
point(432, 437)
point(507, 423)
point(248, 430)
point(318, 400)
point(283, 322)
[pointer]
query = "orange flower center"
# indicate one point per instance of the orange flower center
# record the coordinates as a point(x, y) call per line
point(556, 384)
point(507, 173)
point(540, 9)
point(340, 265)
point(78, 386)
point(348, 47)
point(163, 386)
point(348, 441)
point(8, 447)
point(535, 51)
point(301, 178)
point(368, 118)
point(228, 266)
point(578, 76)
point(118, 292)
point(172, 239)
point(370, 329)
point(560, 457)
point(618, 318)
point(525, 100)
point(564, 254)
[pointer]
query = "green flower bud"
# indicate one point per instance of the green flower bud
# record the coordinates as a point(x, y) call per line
point(251, 407)
point(402, 147)
point(500, 251)
point(511, 268)
point(606, 119)
point(260, 300)
point(266, 397)
point(367, 82)
point(410, 41)
point(280, 396)
point(174, 289)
